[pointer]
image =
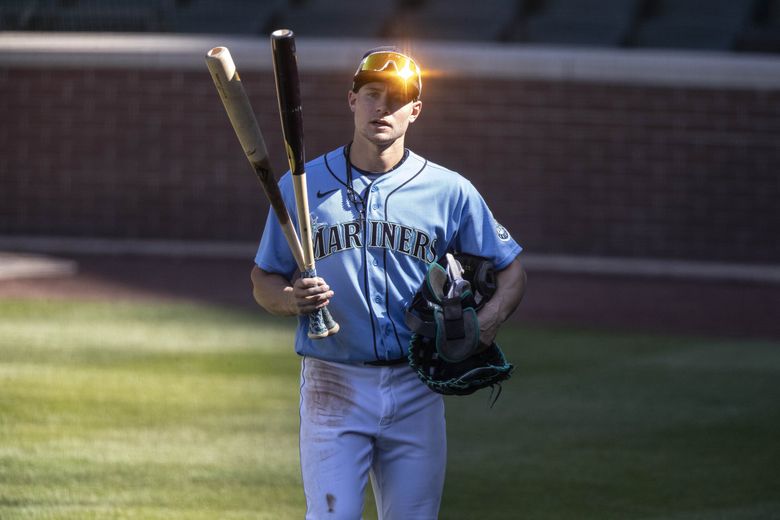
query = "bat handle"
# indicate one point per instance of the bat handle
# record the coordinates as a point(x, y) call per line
point(321, 323)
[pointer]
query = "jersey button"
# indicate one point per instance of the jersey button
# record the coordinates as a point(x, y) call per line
point(378, 299)
point(375, 262)
point(374, 189)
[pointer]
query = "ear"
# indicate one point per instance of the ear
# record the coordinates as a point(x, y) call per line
point(416, 109)
point(351, 99)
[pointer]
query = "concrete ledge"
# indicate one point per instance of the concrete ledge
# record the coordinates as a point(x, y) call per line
point(108, 246)
point(512, 61)
point(659, 268)
point(14, 266)
point(643, 267)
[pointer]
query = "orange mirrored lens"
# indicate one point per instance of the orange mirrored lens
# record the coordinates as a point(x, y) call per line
point(381, 61)
point(388, 61)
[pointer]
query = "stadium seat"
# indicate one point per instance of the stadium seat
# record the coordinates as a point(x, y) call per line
point(226, 16)
point(13, 14)
point(694, 24)
point(763, 34)
point(743, 25)
point(85, 15)
point(336, 18)
point(486, 20)
point(581, 22)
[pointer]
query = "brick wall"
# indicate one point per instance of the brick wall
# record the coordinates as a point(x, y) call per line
point(570, 167)
point(599, 169)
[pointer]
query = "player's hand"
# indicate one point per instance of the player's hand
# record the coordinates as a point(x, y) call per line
point(488, 327)
point(310, 294)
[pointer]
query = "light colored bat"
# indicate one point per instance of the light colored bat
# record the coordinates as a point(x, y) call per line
point(239, 111)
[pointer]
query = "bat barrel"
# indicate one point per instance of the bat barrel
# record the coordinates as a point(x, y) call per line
point(239, 110)
point(289, 96)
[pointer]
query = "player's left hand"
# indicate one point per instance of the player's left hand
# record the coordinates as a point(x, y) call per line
point(488, 326)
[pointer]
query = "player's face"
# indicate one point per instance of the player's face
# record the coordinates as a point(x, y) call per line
point(382, 112)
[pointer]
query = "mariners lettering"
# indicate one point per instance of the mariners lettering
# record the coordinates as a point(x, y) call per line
point(403, 241)
point(388, 235)
point(331, 239)
point(375, 234)
point(421, 241)
point(352, 235)
point(334, 240)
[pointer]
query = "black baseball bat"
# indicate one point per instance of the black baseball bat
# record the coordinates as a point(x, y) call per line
point(288, 94)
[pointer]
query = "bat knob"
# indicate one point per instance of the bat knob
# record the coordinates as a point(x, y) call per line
point(329, 322)
point(322, 324)
point(282, 33)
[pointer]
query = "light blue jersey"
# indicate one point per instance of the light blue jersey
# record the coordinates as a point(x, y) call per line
point(373, 245)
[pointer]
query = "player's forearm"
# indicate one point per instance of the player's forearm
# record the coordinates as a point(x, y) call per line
point(273, 293)
point(511, 282)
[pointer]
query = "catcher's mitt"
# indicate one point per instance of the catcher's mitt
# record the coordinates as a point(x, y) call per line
point(443, 318)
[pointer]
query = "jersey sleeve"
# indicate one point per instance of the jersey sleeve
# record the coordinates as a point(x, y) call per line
point(274, 255)
point(480, 234)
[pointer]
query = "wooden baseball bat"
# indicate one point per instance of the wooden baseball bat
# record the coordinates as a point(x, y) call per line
point(242, 118)
point(288, 94)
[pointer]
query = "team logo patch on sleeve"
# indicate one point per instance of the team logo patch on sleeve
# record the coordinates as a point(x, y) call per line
point(502, 233)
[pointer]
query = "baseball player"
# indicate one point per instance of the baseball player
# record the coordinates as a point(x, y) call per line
point(381, 215)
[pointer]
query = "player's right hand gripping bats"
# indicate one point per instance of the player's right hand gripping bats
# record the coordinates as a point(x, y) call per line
point(239, 111)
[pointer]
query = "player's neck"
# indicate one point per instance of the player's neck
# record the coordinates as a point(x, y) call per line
point(370, 157)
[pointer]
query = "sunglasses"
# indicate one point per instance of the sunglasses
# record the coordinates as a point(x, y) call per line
point(395, 63)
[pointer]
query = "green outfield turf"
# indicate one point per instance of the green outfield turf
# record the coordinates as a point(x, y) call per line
point(172, 411)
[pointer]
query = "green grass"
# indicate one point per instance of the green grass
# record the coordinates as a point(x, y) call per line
point(177, 411)
point(145, 411)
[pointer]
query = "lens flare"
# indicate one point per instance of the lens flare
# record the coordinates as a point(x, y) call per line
point(406, 72)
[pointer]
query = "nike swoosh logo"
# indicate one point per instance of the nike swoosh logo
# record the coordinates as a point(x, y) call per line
point(325, 194)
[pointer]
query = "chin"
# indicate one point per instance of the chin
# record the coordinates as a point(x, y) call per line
point(382, 138)
point(384, 143)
